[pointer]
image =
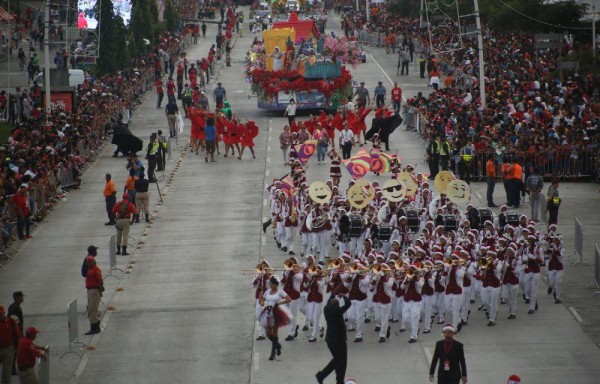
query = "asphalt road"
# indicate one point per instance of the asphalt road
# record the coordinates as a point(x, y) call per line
point(184, 312)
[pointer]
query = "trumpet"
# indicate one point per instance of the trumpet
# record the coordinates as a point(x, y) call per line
point(337, 264)
point(353, 268)
point(288, 265)
point(484, 263)
point(313, 270)
point(260, 269)
point(398, 264)
point(381, 269)
point(410, 274)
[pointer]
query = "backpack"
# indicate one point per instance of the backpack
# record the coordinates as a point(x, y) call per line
point(123, 208)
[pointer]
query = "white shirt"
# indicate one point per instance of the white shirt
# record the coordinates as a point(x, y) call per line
point(272, 299)
point(346, 136)
point(291, 109)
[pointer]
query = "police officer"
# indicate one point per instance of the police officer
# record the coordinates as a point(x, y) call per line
point(433, 152)
point(467, 154)
point(422, 65)
point(162, 151)
point(186, 99)
point(444, 153)
point(380, 95)
point(152, 157)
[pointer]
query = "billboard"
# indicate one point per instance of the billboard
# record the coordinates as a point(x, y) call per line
point(86, 12)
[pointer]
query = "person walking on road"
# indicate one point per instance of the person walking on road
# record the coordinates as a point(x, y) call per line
point(403, 60)
point(553, 202)
point(15, 310)
point(27, 353)
point(95, 286)
point(203, 30)
point(380, 93)
point(9, 339)
point(396, 94)
point(110, 198)
point(152, 157)
point(290, 111)
point(285, 140)
point(490, 172)
point(346, 141)
point(362, 96)
point(534, 184)
point(210, 138)
point(142, 198)
point(124, 211)
point(220, 94)
point(451, 356)
point(335, 338)
point(274, 315)
point(171, 111)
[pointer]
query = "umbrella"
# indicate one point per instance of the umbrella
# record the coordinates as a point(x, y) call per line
point(126, 141)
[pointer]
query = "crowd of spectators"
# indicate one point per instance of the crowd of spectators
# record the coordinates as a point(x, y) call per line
point(531, 112)
point(46, 156)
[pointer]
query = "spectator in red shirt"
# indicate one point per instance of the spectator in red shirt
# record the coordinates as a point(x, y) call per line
point(171, 89)
point(21, 202)
point(160, 92)
point(9, 338)
point(396, 98)
point(95, 286)
point(27, 353)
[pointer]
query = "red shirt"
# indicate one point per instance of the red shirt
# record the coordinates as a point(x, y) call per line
point(396, 94)
point(21, 204)
point(9, 334)
point(93, 279)
point(27, 352)
point(129, 209)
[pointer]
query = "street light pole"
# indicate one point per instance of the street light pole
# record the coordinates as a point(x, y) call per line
point(47, 59)
point(480, 48)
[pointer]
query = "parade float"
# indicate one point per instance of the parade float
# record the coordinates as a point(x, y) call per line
point(296, 62)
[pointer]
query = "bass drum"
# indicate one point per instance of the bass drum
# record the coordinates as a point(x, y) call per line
point(511, 218)
point(412, 218)
point(385, 232)
point(447, 221)
point(478, 216)
point(356, 228)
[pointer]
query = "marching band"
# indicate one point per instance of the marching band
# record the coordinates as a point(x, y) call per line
point(413, 261)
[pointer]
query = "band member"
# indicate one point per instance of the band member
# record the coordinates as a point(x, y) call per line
point(412, 286)
point(275, 314)
point(277, 213)
point(555, 268)
point(453, 276)
point(491, 285)
point(358, 285)
point(290, 223)
point(427, 295)
point(315, 284)
point(291, 281)
point(510, 281)
point(305, 232)
point(532, 255)
point(466, 288)
point(439, 289)
point(321, 225)
point(303, 307)
point(260, 284)
point(381, 286)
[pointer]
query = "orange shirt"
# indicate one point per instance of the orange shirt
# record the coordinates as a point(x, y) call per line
point(130, 183)
point(110, 188)
point(517, 171)
point(490, 169)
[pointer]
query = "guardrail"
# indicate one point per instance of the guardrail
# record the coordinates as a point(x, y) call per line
point(596, 283)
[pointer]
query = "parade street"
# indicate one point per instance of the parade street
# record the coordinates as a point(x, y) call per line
point(184, 311)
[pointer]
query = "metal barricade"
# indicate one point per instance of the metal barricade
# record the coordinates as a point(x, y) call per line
point(596, 283)
point(578, 243)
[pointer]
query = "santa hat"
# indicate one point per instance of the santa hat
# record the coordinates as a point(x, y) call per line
point(513, 379)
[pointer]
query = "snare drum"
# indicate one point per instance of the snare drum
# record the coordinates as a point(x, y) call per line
point(356, 227)
point(385, 232)
point(478, 216)
point(447, 221)
point(412, 218)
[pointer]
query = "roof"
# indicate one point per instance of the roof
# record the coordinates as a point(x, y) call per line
point(303, 28)
point(5, 16)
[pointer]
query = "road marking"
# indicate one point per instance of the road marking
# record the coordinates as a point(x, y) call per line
point(575, 314)
point(263, 240)
point(268, 159)
point(264, 205)
point(428, 354)
point(269, 146)
point(256, 361)
point(381, 69)
point(238, 91)
point(267, 172)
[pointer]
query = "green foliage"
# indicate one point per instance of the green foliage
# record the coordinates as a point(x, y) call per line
point(141, 27)
point(171, 16)
point(114, 54)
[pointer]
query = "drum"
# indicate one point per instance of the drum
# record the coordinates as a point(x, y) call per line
point(412, 218)
point(385, 232)
point(447, 221)
point(478, 216)
point(512, 218)
point(356, 227)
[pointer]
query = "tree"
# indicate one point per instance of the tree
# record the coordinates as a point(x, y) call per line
point(141, 27)
point(113, 52)
point(171, 16)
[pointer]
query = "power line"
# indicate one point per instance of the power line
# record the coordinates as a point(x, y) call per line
point(541, 21)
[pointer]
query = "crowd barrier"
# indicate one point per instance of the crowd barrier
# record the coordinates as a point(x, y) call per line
point(596, 283)
point(374, 39)
point(578, 242)
point(72, 329)
point(44, 368)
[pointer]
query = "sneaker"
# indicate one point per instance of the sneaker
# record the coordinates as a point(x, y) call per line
point(291, 253)
point(512, 317)
point(412, 341)
point(549, 290)
point(358, 340)
point(312, 340)
point(305, 328)
point(427, 331)
point(284, 249)
point(491, 324)
point(557, 301)
point(382, 339)
point(377, 328)
point(530, 312)
point(259, 338)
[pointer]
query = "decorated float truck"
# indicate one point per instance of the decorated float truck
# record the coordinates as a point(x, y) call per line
point(296, 63)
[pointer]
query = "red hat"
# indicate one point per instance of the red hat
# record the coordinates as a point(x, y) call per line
point(32, 331)
point(513, 379)
point(126, 196)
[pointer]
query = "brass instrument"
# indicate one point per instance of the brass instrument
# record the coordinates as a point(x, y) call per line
point(337, 264)
point(353, 268)
point(314, 270)
point(294, 214)
point(428, 265)
point(484, 262)
point(447, 263)
point(410, 274)
point(398, 264)
point(288, 265)
point(381, 269)
point(320, 221)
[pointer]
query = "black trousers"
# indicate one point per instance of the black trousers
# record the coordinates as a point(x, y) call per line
point(110, 203)
point(151, 167)
point(339, 351)
point(346, 150)
point(404, 66)
point(444, 162)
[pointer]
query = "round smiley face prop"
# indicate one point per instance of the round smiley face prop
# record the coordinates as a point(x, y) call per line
point(360, 194)
point(394, 190)
point(409, 183)
point(319, 192)
point(442, 179)
point(458, 191)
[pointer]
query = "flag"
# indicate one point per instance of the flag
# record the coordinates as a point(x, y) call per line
point(306, 150)
point(380, 161)
point(359, 164)
point(287, 184)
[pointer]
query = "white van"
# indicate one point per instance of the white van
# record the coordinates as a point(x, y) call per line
point(76, 77)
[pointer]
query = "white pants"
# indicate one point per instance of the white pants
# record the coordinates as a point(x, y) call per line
point(258, 310)
point(280, 233)
point(382, 317)
point(477, 286)
point(438, 302)
point(426, 307)
point(314, 316)
point(356, 244)
point(466, 304)
point(303, 307)
point(290, 238)
point(293, 306)
point(356, 316)
point(532, 282)
point(452, 304)
point(343, 247)
point(306, 243)
point(489, 296)
point(398, 304)
point(555, 279)
point(370, 310)
point(509, 293)
point(320, 244)
point(411, 310)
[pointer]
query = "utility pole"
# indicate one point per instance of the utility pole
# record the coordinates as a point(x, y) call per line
point(47, 59)
point(480, 48)
point(594, 32)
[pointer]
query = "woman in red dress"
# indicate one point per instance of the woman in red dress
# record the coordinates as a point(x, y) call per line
point(196, 116)
point(249, 132)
